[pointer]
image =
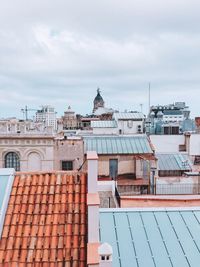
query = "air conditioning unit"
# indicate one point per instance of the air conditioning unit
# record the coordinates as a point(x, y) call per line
point(139, 128)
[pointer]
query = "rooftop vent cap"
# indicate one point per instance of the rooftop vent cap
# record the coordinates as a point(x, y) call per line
point(105, 252)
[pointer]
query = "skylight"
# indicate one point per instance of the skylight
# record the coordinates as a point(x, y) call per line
point(6, 181)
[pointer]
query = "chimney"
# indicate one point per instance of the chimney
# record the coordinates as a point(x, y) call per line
point(93, 201)
point(105, 255)
point(97, 255)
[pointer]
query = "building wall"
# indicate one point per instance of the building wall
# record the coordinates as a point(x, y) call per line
point(128, 202)
point(194, 147)
point(36, 153)
point(167, 143)
point(107, 131)
point(69, 150)
point(133, 129)
point(126, 164)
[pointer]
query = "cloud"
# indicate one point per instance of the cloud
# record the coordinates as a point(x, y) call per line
point(59, 52)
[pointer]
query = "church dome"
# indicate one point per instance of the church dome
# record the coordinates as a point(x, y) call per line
point(98, 101)
point(98, 97)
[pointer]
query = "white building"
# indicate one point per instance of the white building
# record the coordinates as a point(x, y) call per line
point(129, 122)
point(47, 115)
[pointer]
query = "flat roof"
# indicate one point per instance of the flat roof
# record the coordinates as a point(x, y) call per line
point(152, 237)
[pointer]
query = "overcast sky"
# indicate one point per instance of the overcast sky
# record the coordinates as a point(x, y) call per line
point(58, 52)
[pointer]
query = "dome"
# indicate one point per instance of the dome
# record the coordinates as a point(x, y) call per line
point(159, 114)
point(98, 101)
point(98, 97)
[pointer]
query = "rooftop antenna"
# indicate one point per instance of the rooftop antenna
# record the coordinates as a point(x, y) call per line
point(141, 107)
point(149, 97)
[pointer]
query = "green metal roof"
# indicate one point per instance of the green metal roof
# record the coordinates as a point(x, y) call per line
point(103, 124)
point(118, 144)
point(128, 116)
point(173, 162)
point(152, 238)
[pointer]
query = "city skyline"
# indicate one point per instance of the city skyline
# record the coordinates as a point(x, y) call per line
point(58, 54)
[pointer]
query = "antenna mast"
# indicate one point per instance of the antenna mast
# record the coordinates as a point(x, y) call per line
point(149, 97)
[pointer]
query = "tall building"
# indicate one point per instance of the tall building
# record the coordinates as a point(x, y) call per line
point(47, 115)
point(170, 119)
point(98, 101)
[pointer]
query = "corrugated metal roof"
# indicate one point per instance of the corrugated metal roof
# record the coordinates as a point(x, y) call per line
point(129, 116)
point(103, 124)
point(173, 162)
point(152, 238)
point(118, 144)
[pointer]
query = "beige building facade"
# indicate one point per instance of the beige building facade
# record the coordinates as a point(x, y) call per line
point(68, 153)
point(27, 153)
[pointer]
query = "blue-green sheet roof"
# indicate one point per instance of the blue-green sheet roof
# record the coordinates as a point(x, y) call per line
point(173, 162)
point(117, 144)
point(152, 238)
point(103, 124)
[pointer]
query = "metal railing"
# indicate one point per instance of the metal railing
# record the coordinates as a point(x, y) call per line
point(161, 189)
point(177, 189)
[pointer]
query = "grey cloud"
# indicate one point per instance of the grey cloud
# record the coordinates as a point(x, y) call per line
point(58, 52)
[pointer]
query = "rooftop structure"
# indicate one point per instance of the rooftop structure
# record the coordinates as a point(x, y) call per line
point(152, 237)
point(128, 116)
point(104, 124)
point(118, 144)
point(169, 119)
point(13, 126)
point(98, 101)
point(173, 162)
point(45, 222)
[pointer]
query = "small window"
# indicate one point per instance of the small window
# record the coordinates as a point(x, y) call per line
point(67, 165)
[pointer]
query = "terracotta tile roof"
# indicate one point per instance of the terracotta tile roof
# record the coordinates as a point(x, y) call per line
point(45, 223)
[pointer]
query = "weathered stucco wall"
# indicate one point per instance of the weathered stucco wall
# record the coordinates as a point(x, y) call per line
point(69, 150)
point(126, 164)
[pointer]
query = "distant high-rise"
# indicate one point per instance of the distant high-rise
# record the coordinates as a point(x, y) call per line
point(47, 115)
point(98, 101)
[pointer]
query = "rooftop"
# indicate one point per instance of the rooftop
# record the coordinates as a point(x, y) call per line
point(128, 116)
point(118, 144)
point(154, 237)
point(173, 162)
point(45, 221)
point(103, 124)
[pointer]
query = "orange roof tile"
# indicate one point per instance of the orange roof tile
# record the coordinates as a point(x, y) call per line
point(45, 223)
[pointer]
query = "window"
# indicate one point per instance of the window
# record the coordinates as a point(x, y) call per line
point(130, 124)
point(12, 161)
point(67, 165)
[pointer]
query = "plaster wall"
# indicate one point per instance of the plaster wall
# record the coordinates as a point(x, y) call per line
point(167, 143)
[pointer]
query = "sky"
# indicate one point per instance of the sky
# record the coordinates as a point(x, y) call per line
point(58, 52)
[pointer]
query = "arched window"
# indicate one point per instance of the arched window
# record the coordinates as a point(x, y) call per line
point(12, 161)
